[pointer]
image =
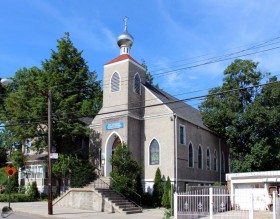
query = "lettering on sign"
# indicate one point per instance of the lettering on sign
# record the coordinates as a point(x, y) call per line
point(116, 125)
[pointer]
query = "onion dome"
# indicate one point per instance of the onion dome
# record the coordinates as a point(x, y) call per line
point(125, 40)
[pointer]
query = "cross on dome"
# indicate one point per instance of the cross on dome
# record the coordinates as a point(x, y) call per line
point(125, 23)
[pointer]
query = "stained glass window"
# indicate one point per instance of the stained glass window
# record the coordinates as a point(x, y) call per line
point(154, 152)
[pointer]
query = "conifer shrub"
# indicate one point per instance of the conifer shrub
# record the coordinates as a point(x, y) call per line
point(166, 198)
point(33, 191)
point(157, 189)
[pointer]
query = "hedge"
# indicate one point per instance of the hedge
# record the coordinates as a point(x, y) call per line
point(14, 197)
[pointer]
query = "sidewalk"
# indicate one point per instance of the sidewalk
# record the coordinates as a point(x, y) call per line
point(41, 209)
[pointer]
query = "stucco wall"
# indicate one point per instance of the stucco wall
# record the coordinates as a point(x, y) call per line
point(200, 137)
point(84, 199)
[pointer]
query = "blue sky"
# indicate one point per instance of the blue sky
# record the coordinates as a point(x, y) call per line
point(168, 34)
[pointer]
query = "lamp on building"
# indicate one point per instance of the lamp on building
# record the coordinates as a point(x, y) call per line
point(49, 97)
point(102, 161)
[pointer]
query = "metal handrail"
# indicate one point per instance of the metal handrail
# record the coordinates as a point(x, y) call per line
point(137, 202)
point(135, 193)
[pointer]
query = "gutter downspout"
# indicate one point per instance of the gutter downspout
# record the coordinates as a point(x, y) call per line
point(176, 154)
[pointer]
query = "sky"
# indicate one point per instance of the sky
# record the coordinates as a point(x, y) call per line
point(186, 44)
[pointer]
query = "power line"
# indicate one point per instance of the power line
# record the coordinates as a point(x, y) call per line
point(260, 45)
point(146, 100)
point(216, 59)
point(177, 70)
point(251, 45)
point(176, 101)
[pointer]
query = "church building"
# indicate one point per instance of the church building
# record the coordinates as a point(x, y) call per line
point(160, 130)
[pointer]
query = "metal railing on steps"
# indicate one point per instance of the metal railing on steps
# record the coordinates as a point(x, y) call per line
point(129, 201)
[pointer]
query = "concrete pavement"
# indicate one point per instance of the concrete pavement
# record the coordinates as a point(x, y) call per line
point(41, 209)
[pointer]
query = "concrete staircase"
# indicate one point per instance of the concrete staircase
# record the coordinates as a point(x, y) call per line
point(119, 202)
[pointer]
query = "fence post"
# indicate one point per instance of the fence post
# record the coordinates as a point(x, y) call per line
point(211, 202)
point(274, 204)
point(251, 207)
point(175, 205)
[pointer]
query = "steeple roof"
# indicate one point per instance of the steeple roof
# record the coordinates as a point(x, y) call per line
point(120, 58)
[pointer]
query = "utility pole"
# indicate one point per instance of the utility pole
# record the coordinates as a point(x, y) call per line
point(49, 96)
point(50, 206)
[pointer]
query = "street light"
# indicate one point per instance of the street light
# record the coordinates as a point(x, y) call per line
point(49, 96)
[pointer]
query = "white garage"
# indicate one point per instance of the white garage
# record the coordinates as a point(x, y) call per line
point(253, 189)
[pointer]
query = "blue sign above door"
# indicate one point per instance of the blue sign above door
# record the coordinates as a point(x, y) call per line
point(116, 125)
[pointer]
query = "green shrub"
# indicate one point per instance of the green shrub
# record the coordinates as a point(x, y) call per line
point(167, 213)
point(157, 189)
point(82, 174)
point(33, 191)
point(12, 186)
point(166, 198)
point(126, 172)
point(147, 199)
point(22, 189)
point(217, 184)
point(15, 197)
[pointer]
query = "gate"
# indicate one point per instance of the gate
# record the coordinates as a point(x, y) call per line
point(212, 202)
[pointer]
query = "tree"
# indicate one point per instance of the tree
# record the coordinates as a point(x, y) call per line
point(3, 150)
point(157, 189)
point(125, 171)
point(82, 173)
point(62, 168)
point(166, 198)
point(149, 76)
point(18, 158)
point(79, 171)
point(76, 94)
point(243, 113)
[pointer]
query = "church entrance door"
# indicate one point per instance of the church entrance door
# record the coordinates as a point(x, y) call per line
point(110, 146)
point(116, 143)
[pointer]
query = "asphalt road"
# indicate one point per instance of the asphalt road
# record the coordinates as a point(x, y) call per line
point(16, 215)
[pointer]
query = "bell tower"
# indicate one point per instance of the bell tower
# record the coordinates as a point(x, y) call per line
point(123, 101)
point(123, 79)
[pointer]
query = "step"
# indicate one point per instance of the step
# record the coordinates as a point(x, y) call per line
point(134, 211)
point(104, 190)
point(118, 200)
point(108, 192)
point(125, 206)
point(121, 201)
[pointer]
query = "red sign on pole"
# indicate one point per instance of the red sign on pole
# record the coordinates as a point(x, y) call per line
point(10, 170)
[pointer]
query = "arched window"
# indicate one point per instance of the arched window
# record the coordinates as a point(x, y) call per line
point(223, 162)
point(154, 152)
point(190, 155)
point(208, 159)
point(199, 157)
point(215, 161)
point(137, 84)
point(115, 82)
